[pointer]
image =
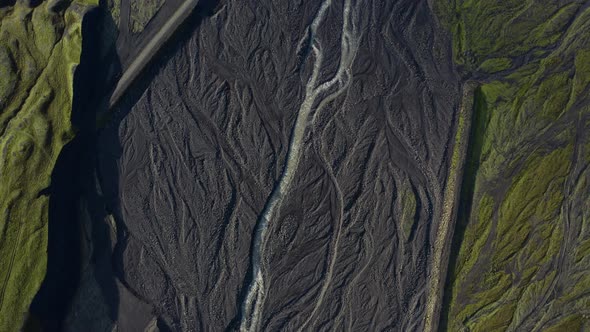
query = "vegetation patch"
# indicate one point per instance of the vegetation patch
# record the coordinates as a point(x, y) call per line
point(485, 30)
point(115, 10)
point(495, 65)
point(39, 50)
point(408, 210)
point(142, 11)
point(524, 202)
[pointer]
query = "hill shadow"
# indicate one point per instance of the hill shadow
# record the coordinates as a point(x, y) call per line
point(72, 180)
point(474, 151)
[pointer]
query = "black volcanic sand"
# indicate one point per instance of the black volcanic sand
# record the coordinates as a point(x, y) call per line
point(194, 151)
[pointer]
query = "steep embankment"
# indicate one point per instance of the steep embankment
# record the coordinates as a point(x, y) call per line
point(39, 49)
point(451, 196)
point(520, 254)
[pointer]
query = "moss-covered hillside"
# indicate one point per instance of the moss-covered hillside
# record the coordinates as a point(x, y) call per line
point(521, 252)
point(40, 47)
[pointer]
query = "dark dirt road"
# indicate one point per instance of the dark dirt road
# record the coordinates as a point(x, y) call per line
point(284, 168)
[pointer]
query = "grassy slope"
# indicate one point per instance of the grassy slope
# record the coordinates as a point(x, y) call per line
point(524, 237)
point(39, 50)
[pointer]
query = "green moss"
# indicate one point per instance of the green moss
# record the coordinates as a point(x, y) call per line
point(582, 72)
point(408, 214)
point(571, 323)
point(483, 29)
point(531, 188)
point(521, 168)
point(535, 195)
point(45, 35)
point(495, 65)
point(496, 91)
point(475, 237)
point(580, 287)
point(142, 12)
point(497, 320)
point(462, 314)
point(551, 29)
point(42, 48)
point(8, 75)
point(115, 9)
point(553, 94)
point(583, 250)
